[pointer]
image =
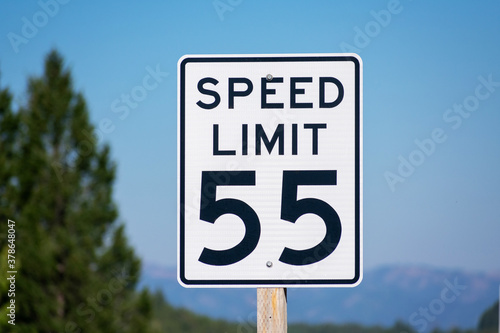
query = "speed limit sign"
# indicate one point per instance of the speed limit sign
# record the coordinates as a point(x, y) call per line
point(270, 170)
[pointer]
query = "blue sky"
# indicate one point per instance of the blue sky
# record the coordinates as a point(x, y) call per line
point(422, 62)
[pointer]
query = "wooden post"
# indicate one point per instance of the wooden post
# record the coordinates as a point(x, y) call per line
point(271, 310)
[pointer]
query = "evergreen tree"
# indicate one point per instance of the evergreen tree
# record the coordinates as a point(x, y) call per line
point(76, 271)
point(8, 128)
point(488, 323)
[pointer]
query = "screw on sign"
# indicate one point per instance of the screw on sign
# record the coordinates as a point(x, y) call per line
point(270, 170)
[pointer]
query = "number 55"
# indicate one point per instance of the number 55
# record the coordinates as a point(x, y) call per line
point(291, 210)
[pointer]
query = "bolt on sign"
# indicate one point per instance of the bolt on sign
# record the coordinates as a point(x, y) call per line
point(270, 170)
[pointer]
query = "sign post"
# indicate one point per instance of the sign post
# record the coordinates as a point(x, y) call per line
point(270, 171)
point(271, 310)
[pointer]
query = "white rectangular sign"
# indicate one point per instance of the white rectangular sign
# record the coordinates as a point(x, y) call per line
point(270, 170)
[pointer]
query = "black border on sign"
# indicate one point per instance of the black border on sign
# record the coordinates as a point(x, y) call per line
point(256, 283)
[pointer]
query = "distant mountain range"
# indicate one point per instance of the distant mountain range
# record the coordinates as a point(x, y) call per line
point(423, 297)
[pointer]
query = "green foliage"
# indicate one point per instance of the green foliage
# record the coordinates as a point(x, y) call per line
point(176, 320)
point(348, 328)
point(56, 183)
point(488, 323)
